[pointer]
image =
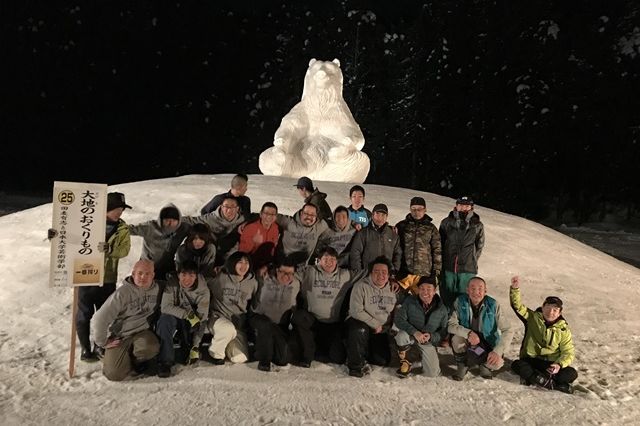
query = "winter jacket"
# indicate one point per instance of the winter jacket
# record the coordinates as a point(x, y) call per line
point(179, 302)
point(259, 242)
point(340, 240)
point(230, 297)
point(372, 242)
point(275, 300)
point(160, 245)
point(205, 258)
point(119, 243)
point(371, 304)
point(361, 216)
point(318, 199)
point(492, 327)
point(244, 203)
point(297, 237)
point(462, 242)
point(411, 316)
point(420, 243)
point(126, 312)
point(552, 342)
point(323, 293)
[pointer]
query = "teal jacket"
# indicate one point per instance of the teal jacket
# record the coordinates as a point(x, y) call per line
point(411, 317)
point(493, 328)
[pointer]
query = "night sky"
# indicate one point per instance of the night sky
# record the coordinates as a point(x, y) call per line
point(532, 109)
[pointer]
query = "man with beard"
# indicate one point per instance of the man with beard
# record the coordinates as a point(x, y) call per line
point(462, 236)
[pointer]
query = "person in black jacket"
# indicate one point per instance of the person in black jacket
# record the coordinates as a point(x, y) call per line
point(462, 236)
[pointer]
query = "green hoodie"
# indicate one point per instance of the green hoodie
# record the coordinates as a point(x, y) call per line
point(552, 343)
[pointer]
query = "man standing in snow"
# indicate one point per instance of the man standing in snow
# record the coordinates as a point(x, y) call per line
point(547, 349)
point(121, 326)
point(358, 213)
point(239, 185)
point(480, 333)
point(377, 239)
point(420, 243)
point(315, 197)
point(462, 236)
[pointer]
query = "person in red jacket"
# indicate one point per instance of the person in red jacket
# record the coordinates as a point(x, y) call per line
point(260, 238)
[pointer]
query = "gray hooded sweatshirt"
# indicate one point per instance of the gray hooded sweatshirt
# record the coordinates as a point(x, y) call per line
point(178, 301)
point(324, 292)
point(160, 245)
point(297, 237)
point(274, 299)
point(371, 304)
point(230, 296)
point(125, 312)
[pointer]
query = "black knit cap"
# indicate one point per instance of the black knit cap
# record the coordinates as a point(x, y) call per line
point(170, 213)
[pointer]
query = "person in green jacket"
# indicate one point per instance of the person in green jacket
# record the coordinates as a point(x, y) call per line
point(547, 349)
point(90, 299)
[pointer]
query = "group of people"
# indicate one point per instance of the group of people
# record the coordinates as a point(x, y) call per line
point(340, 286)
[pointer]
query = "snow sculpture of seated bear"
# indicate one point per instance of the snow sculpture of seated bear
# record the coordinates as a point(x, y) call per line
point(318, 138)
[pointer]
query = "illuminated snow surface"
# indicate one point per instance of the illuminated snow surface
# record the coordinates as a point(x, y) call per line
point(600, 293)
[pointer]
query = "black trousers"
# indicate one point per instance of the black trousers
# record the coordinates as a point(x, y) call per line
point(90, 299)
point(271, 340)
point(363, 345)
point(318, 340)
point(527, 368)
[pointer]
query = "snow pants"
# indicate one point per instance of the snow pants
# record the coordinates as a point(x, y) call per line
point(271, 340)
point(90, 299)
point(430, 361)
point(363, 345)
point(454, 284)
point(528, 368)
point(228, 341)
point(320, 341)
point(135, 349)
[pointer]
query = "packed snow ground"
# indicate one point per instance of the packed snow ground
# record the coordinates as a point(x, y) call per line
point(601, 297)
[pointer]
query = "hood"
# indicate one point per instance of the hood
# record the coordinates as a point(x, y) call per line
point(168, 206)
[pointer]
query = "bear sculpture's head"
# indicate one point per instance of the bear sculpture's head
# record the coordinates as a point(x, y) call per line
point(323, 82)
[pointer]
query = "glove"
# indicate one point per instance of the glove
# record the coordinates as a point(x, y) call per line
point(99, 351)
point(193, 319)
point(104, 247)
point(194, 355)
point(51, 233)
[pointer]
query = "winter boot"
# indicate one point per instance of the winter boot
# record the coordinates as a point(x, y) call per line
point(462, 367)
point(485, 372)
point(87, 354)
point(565, 387)
point(542, 380)
point(164, 370)
point(405, 365)
point(264, 366)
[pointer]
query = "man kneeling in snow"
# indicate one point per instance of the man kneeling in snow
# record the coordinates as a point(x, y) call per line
point(121, 325)
point(547, 348)
point(184, 308)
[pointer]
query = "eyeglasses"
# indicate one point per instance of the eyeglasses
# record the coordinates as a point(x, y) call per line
point(417, 209)
point(285, 273)
point(229, 207)
point(308, 214)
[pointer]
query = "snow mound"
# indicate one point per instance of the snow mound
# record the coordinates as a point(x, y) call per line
point(600, 294)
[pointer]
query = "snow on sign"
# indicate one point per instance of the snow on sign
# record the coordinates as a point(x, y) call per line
point(79, 211)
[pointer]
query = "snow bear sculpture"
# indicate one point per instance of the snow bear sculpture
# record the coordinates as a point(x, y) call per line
point(318, 138)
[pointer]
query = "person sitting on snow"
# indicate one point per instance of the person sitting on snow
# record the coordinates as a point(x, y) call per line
point(184, 309)
point(547, 349)
point(481, 334)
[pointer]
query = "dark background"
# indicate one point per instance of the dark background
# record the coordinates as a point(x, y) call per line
point(529, 107)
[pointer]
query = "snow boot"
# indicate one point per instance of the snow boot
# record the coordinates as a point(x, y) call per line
point(462, 367)
point(405, 364)
point(264, 366)
point(564, 387)
point(164, 370)
point(485, 372)
point(542, 380)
